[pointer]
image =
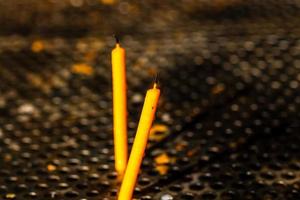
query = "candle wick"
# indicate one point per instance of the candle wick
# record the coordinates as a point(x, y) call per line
point(117, 39)
point(155, 81)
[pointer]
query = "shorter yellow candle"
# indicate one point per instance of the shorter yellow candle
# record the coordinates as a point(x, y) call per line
point(139, 144)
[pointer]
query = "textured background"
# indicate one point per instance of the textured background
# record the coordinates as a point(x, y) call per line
point(228, 122)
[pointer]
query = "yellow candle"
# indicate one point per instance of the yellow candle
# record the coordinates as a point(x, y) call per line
point(139, 144)
point(119, 108)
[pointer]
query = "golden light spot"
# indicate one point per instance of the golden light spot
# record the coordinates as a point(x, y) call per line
point(162, 169)
point(180, 146)
point(162, 159)
point(37, 46)
point(108, 2)
point(158, 132)
point(7, 157)
point(37, 81)
point(162, 162)
point(82, 68)
point(10, 196)
point(192, 152)
point(90, 56)
point(218, 89)
point(51, 167)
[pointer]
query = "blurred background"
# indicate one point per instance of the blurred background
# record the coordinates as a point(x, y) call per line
point(228, 122)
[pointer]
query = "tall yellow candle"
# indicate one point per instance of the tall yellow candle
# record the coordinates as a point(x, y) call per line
point(119, 108)
point(139, 144)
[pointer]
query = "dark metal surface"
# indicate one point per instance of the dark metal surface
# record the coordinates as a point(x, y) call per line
point(228, 122)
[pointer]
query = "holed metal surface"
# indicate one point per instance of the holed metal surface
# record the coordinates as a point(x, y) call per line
point(228, 121)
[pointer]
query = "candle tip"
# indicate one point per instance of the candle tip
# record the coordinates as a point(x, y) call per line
point(117, 39)
point(155, 80)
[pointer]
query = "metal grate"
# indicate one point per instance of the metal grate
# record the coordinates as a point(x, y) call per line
point(228, 121)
